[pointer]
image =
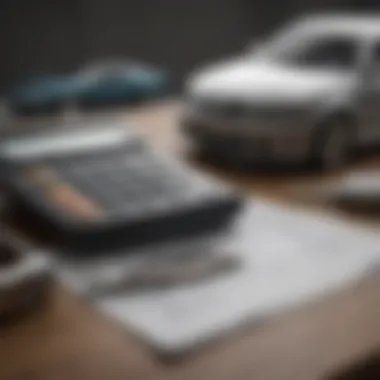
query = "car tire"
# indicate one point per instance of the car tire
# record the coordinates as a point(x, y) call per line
point(333, 144)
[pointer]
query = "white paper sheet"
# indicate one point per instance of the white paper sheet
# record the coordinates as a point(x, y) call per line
point(288, 257)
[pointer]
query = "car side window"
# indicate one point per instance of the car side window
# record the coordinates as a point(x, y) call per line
point(332, 52)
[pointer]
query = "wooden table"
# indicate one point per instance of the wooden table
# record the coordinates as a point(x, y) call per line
point(69, 340)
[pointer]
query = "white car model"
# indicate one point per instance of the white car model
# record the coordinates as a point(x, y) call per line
point(310, 91)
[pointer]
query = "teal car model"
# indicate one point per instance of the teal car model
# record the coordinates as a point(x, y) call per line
point(42, 93)
point(99, 84)
point(117, 82)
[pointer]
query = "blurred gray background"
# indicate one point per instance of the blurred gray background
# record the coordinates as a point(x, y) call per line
point(45, 36)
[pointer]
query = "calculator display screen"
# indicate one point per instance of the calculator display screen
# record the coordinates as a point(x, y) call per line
point(64, 141)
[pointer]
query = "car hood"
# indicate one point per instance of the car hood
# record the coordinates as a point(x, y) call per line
point(253, 81)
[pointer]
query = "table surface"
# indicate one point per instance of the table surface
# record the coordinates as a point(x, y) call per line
point(68, 339)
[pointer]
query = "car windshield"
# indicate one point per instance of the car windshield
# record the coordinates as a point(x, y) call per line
point(305, 47)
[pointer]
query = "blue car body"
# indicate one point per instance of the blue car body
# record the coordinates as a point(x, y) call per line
point(102, 84)
point(121, 86)
point(41, 92)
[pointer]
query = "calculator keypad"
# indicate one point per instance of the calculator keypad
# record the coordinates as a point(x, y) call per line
point(125, 183)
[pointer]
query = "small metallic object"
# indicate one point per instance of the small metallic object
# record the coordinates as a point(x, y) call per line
point(25, 279)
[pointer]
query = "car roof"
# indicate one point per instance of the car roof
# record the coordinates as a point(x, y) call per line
point(367, 26)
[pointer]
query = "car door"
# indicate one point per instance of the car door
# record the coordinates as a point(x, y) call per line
point(369, 96)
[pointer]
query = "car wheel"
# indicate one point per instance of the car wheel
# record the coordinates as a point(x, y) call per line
point(334, 144)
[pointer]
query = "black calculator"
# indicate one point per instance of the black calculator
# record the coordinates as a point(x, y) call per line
point(98, 186)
